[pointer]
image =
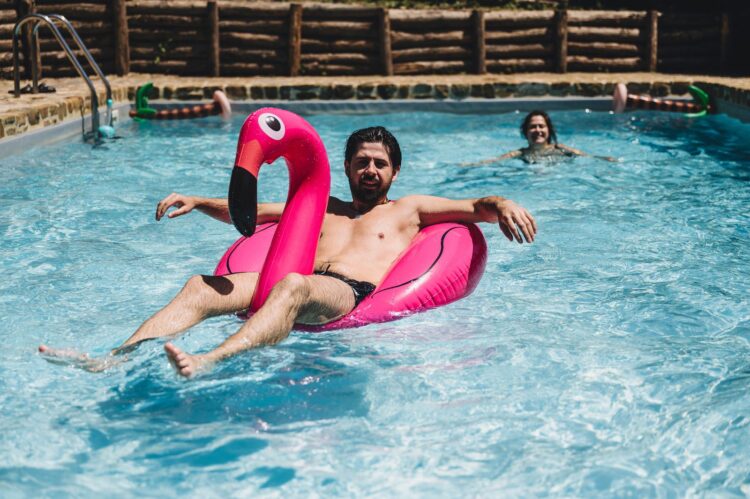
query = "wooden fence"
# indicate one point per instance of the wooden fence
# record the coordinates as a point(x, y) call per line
point(286, 39)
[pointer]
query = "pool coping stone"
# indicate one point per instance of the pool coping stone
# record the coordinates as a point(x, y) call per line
point(449, 93)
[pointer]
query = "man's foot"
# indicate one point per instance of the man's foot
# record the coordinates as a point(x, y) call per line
point(185, 364)
point(75, 359)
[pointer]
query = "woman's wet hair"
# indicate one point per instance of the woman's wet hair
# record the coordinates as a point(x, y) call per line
point(377, 134)
point(551, 138)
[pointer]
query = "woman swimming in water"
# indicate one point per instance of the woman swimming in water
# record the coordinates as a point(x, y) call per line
point(538, 130)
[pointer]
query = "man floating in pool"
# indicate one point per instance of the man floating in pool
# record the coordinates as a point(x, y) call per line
point(358, 242)
point(538, 130)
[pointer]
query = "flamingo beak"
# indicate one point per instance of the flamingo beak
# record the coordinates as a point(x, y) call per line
point(243, 187)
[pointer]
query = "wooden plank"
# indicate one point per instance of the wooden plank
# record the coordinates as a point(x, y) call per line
point(266, 27)
point(338, 29)
point(384, 36)
point(76, 12)
point(8, 16)
point(602, 49)
point(652, 40)
point(340, 59)
point(426, 20)
point(611, 35)
point(245, 55)
point(338, 70)
point(295, 38)
point(694, 35)
point(437, 67)
point(518, 65)
point(84, 28)
point(529, 51)
point(32, 63)
point(186, 68)
point(480, 48)
point(607, 18)
point(59, 57)
point(214, 53)
point(51, 44)
point(275, 12)
point(579, 63)
point(561, 41)
point(153, 53)
point(251, 40)
point(338, 46)
point(725, 43)
point(688, 64)
point(121, 37)
point(252, 69)
point(149, 36)
point(190, 9)
point(703, 50)
point(403, 40)
point(678, 20)
point(519, 36)
point(518, 19)
point(432, 54)
point(160, 21)
point(332, 12)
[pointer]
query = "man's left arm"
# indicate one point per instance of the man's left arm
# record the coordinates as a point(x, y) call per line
point(513, 219)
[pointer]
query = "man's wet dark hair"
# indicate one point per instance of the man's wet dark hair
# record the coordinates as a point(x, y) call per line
point(552, 138)
point(377, 134)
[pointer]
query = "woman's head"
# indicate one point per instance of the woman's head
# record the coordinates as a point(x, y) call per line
point(537, 128)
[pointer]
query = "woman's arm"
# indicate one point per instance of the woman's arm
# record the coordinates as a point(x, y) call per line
point(507, 155)
point(576, 152)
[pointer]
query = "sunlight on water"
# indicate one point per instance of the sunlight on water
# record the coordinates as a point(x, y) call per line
point(609, 358)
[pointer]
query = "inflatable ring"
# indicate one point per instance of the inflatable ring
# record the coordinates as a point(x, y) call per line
point(699, 106)
point(443, 263)
point(219, 105)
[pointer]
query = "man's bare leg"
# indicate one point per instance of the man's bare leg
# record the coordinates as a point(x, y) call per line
point(310, 299)
point(200, 298)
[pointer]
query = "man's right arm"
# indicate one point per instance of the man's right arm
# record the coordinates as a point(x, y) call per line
point(217, 208)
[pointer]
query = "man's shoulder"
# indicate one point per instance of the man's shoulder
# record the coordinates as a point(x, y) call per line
point(408, 200)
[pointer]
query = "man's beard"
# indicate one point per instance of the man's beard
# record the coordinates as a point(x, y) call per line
point(367, 195)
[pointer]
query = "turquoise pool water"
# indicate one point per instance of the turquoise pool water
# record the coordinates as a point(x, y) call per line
point(609, 358)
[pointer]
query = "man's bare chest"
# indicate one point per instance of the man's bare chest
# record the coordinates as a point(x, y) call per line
point(366, 230)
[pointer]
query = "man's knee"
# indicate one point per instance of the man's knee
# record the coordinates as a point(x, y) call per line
point(293, 285)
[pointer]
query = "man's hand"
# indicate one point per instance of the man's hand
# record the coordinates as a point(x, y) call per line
point(184, 204)
point(512, 217)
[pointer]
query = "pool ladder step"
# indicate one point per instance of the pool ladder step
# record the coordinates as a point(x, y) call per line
point(51, 20)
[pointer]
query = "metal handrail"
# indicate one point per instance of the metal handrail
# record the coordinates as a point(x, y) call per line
point(89, 57)
point(77, 65)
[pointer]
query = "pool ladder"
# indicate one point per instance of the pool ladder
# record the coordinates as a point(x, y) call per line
point(38, 20)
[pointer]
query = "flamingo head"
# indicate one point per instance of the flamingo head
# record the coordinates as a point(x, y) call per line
point(267, 134)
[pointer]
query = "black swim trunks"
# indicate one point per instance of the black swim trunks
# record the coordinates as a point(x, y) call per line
point(361, 289)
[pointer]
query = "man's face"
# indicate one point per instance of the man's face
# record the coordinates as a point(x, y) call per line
point(538, 131)
point(370, 172)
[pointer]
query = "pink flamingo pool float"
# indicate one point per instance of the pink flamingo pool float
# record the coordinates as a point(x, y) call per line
point(443, 263)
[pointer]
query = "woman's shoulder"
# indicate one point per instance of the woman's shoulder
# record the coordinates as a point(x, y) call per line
point(513, 154)
point(569, 151)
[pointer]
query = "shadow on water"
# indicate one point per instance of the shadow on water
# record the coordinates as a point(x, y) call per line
point(253, 388)
point(727, 136)
point(218, 421)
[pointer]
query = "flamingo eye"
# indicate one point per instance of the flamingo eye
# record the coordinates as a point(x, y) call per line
point(272, 126)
